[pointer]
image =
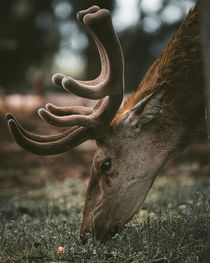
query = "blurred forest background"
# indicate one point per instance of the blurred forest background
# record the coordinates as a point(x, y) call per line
point(39, 38)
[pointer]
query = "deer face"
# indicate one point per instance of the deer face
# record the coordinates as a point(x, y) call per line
point(118, 185)
point(123, 169)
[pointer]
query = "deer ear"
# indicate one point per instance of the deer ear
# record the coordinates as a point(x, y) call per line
point(146, 109)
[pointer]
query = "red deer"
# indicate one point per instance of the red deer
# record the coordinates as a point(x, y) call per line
point(166, 114)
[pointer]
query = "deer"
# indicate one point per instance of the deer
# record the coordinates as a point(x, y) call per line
point(134, 141)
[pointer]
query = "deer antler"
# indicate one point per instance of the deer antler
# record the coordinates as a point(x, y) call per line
point(107, 87)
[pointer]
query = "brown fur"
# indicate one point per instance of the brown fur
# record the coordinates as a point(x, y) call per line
point(180, 65)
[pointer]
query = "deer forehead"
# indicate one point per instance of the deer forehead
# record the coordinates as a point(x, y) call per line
point(122, 147)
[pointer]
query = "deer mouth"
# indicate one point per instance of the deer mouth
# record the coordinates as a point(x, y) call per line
point(103, 225)
point(102, 232)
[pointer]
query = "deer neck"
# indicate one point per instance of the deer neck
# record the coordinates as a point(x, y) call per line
point(180, 65)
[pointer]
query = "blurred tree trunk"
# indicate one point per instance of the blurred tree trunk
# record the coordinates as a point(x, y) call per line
point(205, 28)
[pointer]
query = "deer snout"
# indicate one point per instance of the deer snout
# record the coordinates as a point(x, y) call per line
point(99, 232)
point(100, 228)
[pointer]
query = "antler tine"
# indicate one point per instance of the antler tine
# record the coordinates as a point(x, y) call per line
point(58, 77)
point(36, 137)
point(97, 20)
point(112, 83)
point(64, 121)
point(65, 111)
point(104, 66)
point(76, 137)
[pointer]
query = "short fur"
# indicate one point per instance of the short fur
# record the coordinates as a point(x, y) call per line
point(181, 66)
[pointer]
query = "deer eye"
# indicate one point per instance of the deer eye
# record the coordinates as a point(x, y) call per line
point(106, 165)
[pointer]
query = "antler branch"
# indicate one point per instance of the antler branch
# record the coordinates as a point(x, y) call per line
point(108, 87)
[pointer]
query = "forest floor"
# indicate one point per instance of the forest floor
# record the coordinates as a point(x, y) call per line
point(41, 202)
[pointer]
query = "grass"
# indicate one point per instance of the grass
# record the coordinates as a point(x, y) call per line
point(172, 225)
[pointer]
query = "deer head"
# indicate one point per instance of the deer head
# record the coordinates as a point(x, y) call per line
point(133, 144)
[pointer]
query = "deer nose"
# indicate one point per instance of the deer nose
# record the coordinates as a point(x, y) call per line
point(83, 232)
point(101, 231)
point(83, 238)
point(98, 230)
